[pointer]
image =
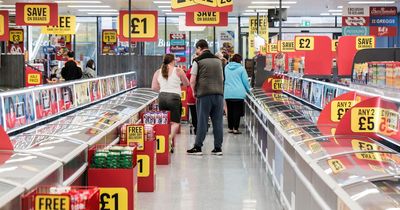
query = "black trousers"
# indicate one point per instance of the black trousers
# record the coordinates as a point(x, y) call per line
point(235, 112)
point(193, 116)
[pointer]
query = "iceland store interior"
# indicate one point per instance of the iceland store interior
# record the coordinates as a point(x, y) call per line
point(199, 105)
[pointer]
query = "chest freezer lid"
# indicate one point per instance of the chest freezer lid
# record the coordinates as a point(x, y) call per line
point(25, 170)
point(347, 169)
point(380, 194)
point(8, 193)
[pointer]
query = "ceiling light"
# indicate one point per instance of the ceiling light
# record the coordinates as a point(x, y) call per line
point(175, 13)
point(7, 5)
point(324, 14)
point(78, 2)
point(98, 10)
point(261, 10)
point(340, 7)
point(249, 14)
point(1, 1)
point(249, 10)
point(266, 7)
point(371, 2)
point(103, 13)
point(164, 6)
point(337, 14)
point(162, 2)
point(166, 10)
point(273, 2)
point(335, 10)
point(88, 6)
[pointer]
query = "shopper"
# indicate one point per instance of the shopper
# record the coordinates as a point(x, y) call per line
point(235, 89)
point(71, 70)
point(90, 70)
point(167, 81)
point(207, 85)
point(192, 101)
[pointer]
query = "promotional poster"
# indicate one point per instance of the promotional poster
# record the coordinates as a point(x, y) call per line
point(19, 110)
point(65, 98)
point(121, 83)
point(316, 94)
point(16, 41)
point(305, 93)
point(46, 103)
point(82, 93)
point(329, 95)
point(94, 87)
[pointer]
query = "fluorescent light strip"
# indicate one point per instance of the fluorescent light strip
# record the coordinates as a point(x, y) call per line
point(266, 7)
point(78, 2)
point(162, 2)
point(335, 10)
point(249, 10)
point(166, 10)
point(103, 13)
point(337, 14)
point(324, 14)
point(371, 2)
point(273, 2)
point(175, 13)
point(249, 14)
point(88, 6)
point(1, 1)
point(340, 7)
point(98, 10)
point(164, 6)
point(7, 5)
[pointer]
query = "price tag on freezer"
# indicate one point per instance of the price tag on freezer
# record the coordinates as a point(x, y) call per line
point(358, 145)
point(113, 198)
point(183, 114)
point(336, 165)
point(305, 43)
point(339, 108)
point(143, 165)
point(277, 84)
point(364, 120)
point(53, 202)
point(135, 134)
point(160, 143)
point(389, 122)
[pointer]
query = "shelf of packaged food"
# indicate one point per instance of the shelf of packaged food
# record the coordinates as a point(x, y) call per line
point(313, 171)
point(57, 153)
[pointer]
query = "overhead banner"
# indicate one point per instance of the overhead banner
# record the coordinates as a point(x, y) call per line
point(66, 25)
point(4, 26)
point(109, 42)
point(36, 14)
point(259, 27)
point(355, 21)
point(202, 5)
point(16, 41)
point(206, 19)
point(143, 26)
point(383, 21)
point(178, 46)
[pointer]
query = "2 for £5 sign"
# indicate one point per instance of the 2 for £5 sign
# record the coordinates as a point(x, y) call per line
point(38, 14)
point(142, 26)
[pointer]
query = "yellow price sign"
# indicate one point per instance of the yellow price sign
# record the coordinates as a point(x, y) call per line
point(364, 120)
point(160, 143)
point(2, 25)
point(339, 109)
point(336, 165)
point(140, 26)
point(273, 48)
point(135, 134)
point(286, 46)
point(206, 17)
point(110, 36)
point(36, 14)
point(304, 43)
point(143, 165)
point(365, 42)
point(16, 35)
point(314, 147)
point(66, 25)
point(277, 84)
point(358, 145)
point(177, 4)
point(278, 97)
point(334, 45)
point(113, 198)
point(210, 3)
point(183, 95)
point(34, 79)
point(183, 114)
point(52, 202)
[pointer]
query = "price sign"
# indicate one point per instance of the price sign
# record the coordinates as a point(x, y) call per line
point(315, 147)
point(52, 202)
point(183, 95)
point(277, 84)
point(364, 120)
point(176, 4)
point(183, 114)
point(286, 46)
point(143, 166)
point(143, 25)
point(2, 25)
point(365, 42)
point(160, 143)
point(16, 35)
point(110, 36)
point(66, 25)
point(4, 33)
point(358, 145)
point(44, 14)
point(206, 17)
point(278, 97)
point(113, 198)
point(34, 79)
point(224, 3)
point(336, 165)
point(210, 3)
point(334, 45)
point(389, 120)
point(135, 134)
point(273, 48)
point(339, 108)
point(304, 43)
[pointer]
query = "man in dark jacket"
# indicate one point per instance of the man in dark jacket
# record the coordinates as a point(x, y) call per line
point(71, 71)
point(208, 86)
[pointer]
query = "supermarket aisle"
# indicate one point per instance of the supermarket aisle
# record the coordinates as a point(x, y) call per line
point(235, 181)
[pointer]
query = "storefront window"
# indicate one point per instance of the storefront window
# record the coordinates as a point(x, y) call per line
point(86, 39)
point(229, 34)
point(158, 47)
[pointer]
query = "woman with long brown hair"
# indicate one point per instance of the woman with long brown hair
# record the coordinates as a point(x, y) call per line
point(167, 81)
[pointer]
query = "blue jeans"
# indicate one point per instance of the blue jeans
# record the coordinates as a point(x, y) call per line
point(210, 106)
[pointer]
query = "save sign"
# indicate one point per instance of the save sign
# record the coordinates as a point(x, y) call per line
point(4, 25)
point(66, 25)
point(39, 14)
point(143, 26)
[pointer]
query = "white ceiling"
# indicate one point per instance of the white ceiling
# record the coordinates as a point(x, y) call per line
point(301, 8)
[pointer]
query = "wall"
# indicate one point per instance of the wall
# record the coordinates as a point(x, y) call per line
point(12, 71)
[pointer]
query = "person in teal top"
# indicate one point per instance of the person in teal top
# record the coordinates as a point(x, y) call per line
point(235, 88)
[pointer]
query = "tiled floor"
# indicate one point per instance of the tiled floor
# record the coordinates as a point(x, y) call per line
point(234, 181)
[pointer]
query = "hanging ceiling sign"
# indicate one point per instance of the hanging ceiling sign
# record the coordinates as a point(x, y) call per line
point(202, 5)
point(143, 26)
point(286, 46)
point(36, 14)
point(206, 19)
point(66, 25)
point(4, 26)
